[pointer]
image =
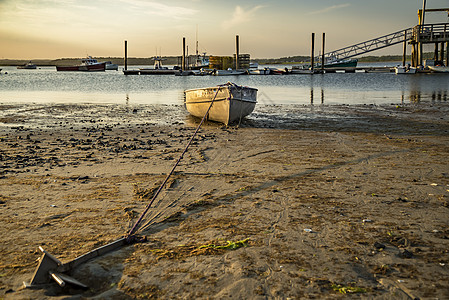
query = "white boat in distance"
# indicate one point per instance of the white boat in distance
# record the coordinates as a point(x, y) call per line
point(405, 70)
point(439, 69)
point(265, 71)
point(228, 72)
point(158, 68)
point(111, 66)
point(231, 102)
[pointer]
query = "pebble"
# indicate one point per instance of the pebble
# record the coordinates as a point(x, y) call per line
point(405, 254)
point(379, 246)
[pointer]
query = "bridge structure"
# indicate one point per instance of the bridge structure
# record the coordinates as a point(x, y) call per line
point(417, 36)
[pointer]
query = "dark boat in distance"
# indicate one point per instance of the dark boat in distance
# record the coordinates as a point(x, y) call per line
point(347, 63)
point(28, 66)
point(87, 65)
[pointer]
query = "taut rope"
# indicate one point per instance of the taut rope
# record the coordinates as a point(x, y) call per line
point(135, 227)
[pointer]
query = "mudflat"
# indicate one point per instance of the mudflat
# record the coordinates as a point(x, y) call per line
point(296, 202)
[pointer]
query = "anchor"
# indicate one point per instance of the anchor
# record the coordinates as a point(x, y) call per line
point(51, 268)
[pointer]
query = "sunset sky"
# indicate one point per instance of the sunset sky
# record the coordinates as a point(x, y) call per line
point(32, 29)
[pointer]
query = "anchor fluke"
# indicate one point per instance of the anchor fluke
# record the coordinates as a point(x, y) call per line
point(50, 268)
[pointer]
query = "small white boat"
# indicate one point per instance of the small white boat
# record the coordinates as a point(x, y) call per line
point(253, 65)
point(111, 66)
point(158, 68)
point(231, 102)
point(228, 72)
point(439, 69)
point(264, 71)
point(301, 71)
point(201, 62)
point(405, 70)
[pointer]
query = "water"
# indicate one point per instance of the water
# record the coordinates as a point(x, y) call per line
point(46, 85)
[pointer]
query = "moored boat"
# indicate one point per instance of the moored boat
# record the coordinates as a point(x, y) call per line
point(158, 68)
point(265, 71)
point(28, 66)
point(329, 64)
point(228, 72)
point(347, 63)
point(231, 102)
point(87, 65)
point(111, 66)
point(405, 70)
point(439, 69)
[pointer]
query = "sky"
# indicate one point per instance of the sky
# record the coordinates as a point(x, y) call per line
point(49, 29)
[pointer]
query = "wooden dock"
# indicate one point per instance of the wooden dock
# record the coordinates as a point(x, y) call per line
point(357, 70)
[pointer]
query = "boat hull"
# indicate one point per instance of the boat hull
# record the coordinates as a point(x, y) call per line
point(439, 69)
point(28, 67)
point(405, 70)
point(110, 66)
point(232, 102)
point(349, 63)
point(265, 71)
point(157, 71)
point(87, 68)
point(228, 72)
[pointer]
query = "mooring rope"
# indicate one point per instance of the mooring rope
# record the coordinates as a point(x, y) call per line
point(135, 227)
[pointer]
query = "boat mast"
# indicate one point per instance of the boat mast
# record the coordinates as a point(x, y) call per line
point(196, 36)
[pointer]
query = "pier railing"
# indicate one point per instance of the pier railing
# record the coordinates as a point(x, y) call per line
point(431, 33)
point(368, 46)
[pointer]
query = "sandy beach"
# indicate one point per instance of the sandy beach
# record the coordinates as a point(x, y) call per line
point(298, 202)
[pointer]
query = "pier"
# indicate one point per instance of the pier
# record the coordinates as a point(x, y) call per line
point(416, 37)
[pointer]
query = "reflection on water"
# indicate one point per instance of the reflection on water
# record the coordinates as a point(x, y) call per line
point(416, 97)
point(47, 85)
point(321, 98)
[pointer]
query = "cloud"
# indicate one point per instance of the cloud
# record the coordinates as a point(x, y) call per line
point(329, 8)
point(159, 9)
point(240, 16)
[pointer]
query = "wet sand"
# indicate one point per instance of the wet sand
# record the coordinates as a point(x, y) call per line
point(316, 200)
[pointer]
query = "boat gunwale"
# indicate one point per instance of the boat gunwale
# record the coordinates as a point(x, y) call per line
point(225, 86)
point(220, 100)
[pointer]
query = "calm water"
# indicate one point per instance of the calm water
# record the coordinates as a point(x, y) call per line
point(46, 85)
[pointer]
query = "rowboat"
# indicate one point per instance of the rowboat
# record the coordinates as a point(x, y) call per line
point(228, 102)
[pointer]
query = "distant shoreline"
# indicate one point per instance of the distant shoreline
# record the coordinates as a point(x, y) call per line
point(176, 60)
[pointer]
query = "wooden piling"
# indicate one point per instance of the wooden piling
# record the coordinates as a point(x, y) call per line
point(414, 55)
point(183, 63)
point(237, 51)
point(435, 54)
point(404, 49)
point(447, 54)
point(322, 52)
point(126, 55)
point(420, 54)
point(312, 52)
